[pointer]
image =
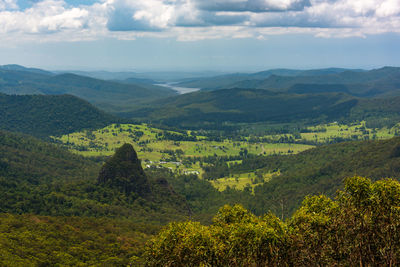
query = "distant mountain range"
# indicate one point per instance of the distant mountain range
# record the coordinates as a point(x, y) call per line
point(205, 109)
point(16, 67)
point(224, 81)
point(279, 95)
point(155, 76)
point(108, 95)
point(379, 82)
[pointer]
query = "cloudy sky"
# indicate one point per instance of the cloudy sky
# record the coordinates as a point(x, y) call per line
point(199, 34)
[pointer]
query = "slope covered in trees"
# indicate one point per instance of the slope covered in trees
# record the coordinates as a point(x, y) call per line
point(42, 116)
point(319, 170)
point(200, 109)
point(15, 67)
point(360, 227)
point(316, 171)
point(228, 80)
point(124, 172)
point(214, 109)
point(33, 240)
point(376, 82)
point(39, 178)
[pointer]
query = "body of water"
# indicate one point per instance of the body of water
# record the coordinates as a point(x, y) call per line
point(180, 90)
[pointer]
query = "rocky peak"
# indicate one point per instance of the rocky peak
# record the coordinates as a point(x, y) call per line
point(124, 172)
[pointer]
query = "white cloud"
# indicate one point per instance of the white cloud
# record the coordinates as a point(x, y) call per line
point(44, 17)
point(197, 19)
point(252, 5)
point(149, 15)
point(389, 8)
point(8, 4)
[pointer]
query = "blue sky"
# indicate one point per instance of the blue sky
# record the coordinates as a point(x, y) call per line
point(223, 35)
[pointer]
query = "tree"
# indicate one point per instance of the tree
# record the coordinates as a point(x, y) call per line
point(361, 227)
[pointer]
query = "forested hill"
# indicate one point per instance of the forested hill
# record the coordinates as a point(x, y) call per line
point(208, 109)
point(107, 95)
point(377, 82)
point(227, 80)
point(15, 67)
point(321, 171)
point(42, 116)
point(40, 178)
point(202, 108)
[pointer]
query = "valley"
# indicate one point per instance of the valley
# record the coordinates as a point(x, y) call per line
point(126, 178)
point(173, 151)
point(199, 133)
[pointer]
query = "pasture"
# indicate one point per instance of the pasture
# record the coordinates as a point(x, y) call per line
point(152, 146)
point(156, 150)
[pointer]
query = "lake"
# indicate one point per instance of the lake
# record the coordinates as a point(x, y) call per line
point(180, 90)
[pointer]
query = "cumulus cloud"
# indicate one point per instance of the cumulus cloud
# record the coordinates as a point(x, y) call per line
point(8, 4)
point(253, 5)
point(198, 19)
point(389, 8)
point(360, 15)
point(46, 16)
point(149, 15)
point(154, 15)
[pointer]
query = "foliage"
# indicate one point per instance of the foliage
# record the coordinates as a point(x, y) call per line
point(39, 178)
point(124, 172)
point(237, 238)
point(32, 240)
point(377, 82)
point(155, 145)
point(319, 170)
point(43, 116)
point(212, 109)
point(361, 226)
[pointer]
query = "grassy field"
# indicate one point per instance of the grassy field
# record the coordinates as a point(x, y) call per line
point(240, 181)
point(156, 150)
point(330, 131)
point(153, 149)
point(326, 133)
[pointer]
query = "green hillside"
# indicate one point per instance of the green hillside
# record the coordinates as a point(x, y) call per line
point(377, 82)
point(226, 81)
point(15, 67)
point(320, 171)
point(43, 116)
point(270, 146)
point(359, 227)
point(54, 209)
point(220, 108)
point(34, 240)
point(200, 109)
point(104, 94)
point(40, 178)
point(100, 211)
point(107, 95)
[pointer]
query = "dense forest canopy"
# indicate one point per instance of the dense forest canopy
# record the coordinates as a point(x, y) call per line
point(361, 226)
point(42, 116)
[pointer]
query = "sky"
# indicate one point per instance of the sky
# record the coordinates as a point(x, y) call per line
point(196, 35)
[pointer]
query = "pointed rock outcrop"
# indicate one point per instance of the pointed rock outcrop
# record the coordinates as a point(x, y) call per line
point(124, 172)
